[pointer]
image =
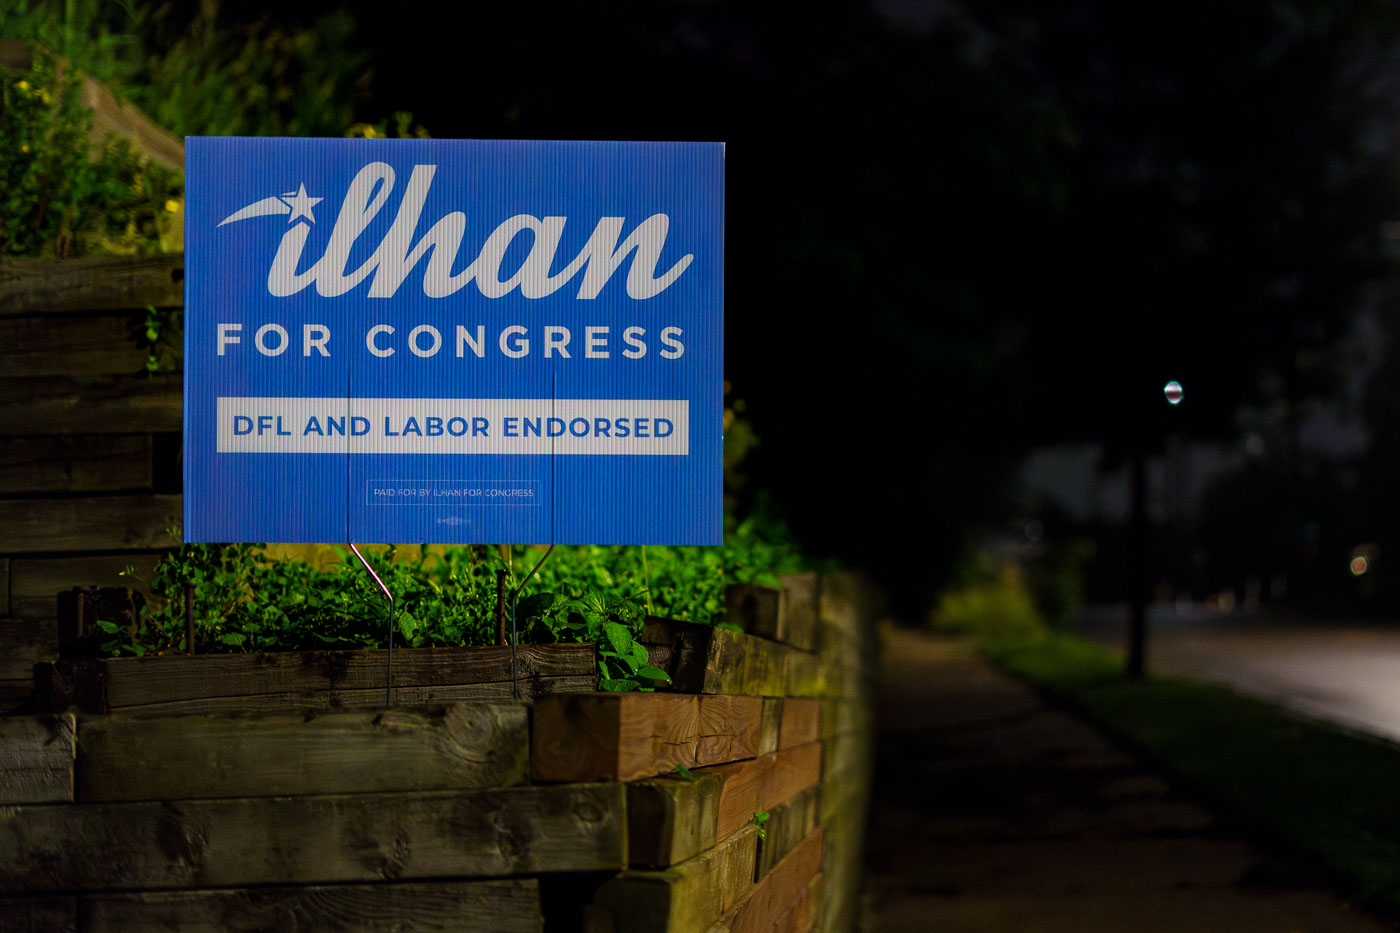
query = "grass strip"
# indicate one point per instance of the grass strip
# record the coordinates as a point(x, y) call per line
point(1331, 795)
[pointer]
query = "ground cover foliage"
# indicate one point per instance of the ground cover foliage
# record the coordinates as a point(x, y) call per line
point(242, 599)
point(1322, 792)
point(195, 72)
point(61, 194)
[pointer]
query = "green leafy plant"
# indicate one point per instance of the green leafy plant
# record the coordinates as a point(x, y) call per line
point(760, 819)
point(159, 333)
point(207, 75)
point(611, 621)
point(97, 35)
point(245, 600)
point(59, 194)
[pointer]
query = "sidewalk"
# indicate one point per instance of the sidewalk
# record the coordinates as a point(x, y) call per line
point(995, 812)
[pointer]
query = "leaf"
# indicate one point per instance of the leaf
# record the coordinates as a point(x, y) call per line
point(619, 638)
point(729, 627)
point(686, 773)
point(648, 672)
point(760, 819)
point(617, 685)
point(233, 638)
point(111, 628)
point(408, 625)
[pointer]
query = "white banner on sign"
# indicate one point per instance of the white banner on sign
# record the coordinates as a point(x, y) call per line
point(453, 426)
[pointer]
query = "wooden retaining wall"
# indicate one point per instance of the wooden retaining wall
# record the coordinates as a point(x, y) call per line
point(89, 441)
point(610, 813)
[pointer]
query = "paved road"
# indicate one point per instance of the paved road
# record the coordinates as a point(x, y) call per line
point(994, 813)
point(1340, 673)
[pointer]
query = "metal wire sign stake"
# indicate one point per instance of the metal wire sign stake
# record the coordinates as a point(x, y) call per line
point(514, 639)
point(389, 669)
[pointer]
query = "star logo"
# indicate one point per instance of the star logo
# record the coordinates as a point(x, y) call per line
point(301, 205)
point(297, 204)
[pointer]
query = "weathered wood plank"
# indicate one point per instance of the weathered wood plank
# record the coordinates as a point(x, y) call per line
point(671, 819)
point(803, 592)
point(608, 736)
point(745, 665)
point(758, 610)
point(777, 902)
point(845, 793)
point(75, 464)
point(847, 756)
point(851, 715)
point(625, 736)
point(351, 675)
point(43, 346)
point(806, 674)
point(22, 643)
point(764, 783)
point(14, 695)
point(92, 283)
point(687, 898)
point(837, 717)
point(788, 824)
point(367, 698)
point(460, 746)
point(802, 915)
point(90, 404)
point(36, 759)
point(35, 582)
point(158, 680)
point(508, 906)
point(772, 722)
point(809, 914)
point(703, 659)
point(43, 914)
point(114, 116)
point(679, 648)
point(801, 722)
point(102, 523)
point(728, 728)
point(843, 601)
point(313, 839)
point(842, 866)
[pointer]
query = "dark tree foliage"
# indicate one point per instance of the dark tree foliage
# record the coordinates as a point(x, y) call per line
point(882, 188)
point(1222, 215)
point(947, 240)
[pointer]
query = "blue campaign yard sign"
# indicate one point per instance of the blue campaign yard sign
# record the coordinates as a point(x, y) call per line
point(460, 341)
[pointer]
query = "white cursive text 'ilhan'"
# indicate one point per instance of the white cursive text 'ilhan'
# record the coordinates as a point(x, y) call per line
point(396, 254)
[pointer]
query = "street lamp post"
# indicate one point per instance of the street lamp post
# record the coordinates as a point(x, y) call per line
point(1139, 543)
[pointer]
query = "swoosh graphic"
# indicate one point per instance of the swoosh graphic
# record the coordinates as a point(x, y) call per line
point(258, 209)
